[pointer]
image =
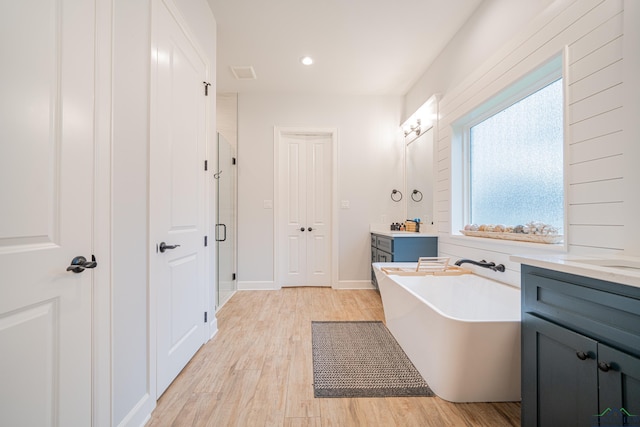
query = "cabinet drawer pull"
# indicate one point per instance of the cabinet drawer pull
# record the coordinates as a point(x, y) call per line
point(582, 355)
point(603, 366)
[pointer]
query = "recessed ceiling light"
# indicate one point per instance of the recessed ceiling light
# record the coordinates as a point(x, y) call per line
point(306, 60)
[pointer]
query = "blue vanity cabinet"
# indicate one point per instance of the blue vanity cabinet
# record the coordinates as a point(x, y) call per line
point(401, 248)
point(580, 350)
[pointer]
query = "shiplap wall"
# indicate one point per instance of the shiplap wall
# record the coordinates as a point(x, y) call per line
point(592, 33)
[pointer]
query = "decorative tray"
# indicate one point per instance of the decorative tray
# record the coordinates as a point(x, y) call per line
point(534, 238)
point(434, 266)
point(449, 271)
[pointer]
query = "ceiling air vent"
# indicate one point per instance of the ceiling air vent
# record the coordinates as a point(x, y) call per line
point(245, 72)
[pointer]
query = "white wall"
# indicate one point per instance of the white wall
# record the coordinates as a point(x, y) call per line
point(600, 175)
point(369, 167)
point(132, 400)
point(227, 117)
point(490, 26)
point(130, 124)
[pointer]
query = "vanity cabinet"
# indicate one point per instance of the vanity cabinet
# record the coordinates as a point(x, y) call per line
point(580, 350)
point(401, 248)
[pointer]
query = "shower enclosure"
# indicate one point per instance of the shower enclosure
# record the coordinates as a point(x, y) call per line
point(225, 233)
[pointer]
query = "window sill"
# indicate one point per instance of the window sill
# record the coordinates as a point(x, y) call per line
point(509, 246)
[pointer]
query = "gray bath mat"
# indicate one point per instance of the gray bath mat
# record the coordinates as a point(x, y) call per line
point(361, 359)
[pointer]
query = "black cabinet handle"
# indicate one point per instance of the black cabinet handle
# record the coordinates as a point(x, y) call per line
point(301, 228)
point(582, 355)
point(309, 229)
point(604, 367)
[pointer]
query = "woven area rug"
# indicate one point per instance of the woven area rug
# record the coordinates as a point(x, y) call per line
point(361, 359)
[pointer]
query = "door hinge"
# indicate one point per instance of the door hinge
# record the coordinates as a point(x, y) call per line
point(206, 165)
point(233, 276)
point(205, 317)
point(206, 240)
point(206, 88)
point(233, 161)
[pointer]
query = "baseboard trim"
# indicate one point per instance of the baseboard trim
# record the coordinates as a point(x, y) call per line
point(354, 284)
point(140, 414)
point(257, 286)
point(213, 325)
point(270, 286)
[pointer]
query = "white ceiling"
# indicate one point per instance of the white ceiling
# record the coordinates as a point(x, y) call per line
point(378, 47)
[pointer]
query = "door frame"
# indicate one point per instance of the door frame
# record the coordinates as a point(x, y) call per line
point(332, 132)
point(101, 345)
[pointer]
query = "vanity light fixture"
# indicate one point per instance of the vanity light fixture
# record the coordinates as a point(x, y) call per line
point(420, 121)
point(306, 60)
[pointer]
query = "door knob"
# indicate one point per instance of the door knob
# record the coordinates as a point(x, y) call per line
point(301, 228)
point(163, 247)
point(310, 229)
point(79, 263)
point(582, 355)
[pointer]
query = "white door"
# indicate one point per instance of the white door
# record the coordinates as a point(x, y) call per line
point(46, 198)
point(177, 200)
point(305, 209)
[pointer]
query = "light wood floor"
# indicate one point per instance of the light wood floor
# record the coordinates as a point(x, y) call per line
point(257, 371)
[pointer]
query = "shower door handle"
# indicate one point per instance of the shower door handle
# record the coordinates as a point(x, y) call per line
point(224, 227)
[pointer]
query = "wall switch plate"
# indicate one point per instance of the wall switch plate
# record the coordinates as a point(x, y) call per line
point(268, 204)
point(344, 204)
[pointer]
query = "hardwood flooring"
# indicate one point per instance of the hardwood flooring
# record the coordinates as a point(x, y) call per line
point(257, 371)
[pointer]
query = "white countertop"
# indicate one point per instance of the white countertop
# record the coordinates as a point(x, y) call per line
point(384, 230)
point(618, 269)
point(403, 234)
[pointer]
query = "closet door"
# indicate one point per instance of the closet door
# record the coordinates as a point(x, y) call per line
point(46, 211)
point(177, 225)
point(304, 184)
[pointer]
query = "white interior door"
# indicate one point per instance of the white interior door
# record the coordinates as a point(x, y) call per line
point(177, 204)
point(46, 198)
point(305, 209)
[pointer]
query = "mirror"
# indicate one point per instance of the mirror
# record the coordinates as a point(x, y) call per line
point(420, 179)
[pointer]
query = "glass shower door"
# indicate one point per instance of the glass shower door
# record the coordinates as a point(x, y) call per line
point(226, 179)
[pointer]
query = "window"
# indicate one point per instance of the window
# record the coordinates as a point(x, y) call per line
point(515, 162)
point(512, 154)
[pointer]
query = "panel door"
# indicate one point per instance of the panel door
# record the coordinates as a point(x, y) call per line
point(305, 206)
point(46, 197)
point(318, 210)
point(177, 203)
point(561, 388)
point(619, 380)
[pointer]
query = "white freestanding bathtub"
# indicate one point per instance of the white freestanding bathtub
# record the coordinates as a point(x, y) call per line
point(462, 333)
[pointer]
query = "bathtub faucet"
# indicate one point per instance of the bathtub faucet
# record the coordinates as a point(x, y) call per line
point(483, 263)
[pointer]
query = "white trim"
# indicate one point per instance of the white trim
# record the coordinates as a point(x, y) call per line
point(631, 103)
point(257, 286)
point(354, 284)
point(213, 324)
point(102, 218)
point(138, 416)
point(329, 131)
